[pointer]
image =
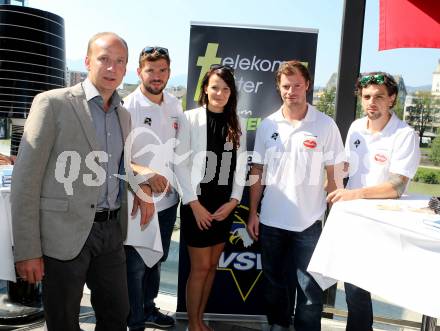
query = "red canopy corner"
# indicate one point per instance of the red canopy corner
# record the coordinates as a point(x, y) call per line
point(409, 23)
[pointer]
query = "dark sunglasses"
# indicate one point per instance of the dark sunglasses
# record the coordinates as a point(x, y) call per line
point(151, 50)
point(221, 66)
point(372, 79)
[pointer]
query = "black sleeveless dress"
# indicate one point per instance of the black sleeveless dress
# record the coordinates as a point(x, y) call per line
point(215, 188)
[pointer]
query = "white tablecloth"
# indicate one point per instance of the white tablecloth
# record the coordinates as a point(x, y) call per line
point(394, 254)
point(7, 271)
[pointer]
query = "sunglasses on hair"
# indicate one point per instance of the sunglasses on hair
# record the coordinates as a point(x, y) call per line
point(221, 66)
point(151, 50)
point(372, 79)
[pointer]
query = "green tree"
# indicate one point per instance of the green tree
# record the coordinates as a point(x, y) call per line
point(435, 151)
point(184, 102)
point(422, 112)
point(359, 111)
point(326, 102)
point(398, 108)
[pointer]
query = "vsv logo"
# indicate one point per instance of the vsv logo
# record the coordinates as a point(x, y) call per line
point(241, 258)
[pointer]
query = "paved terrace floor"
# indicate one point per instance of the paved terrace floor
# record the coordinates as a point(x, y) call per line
point(168, 303)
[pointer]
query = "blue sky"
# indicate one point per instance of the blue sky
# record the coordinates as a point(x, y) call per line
point(167, 23)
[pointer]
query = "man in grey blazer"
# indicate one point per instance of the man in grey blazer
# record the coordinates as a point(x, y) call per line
point(66, 196)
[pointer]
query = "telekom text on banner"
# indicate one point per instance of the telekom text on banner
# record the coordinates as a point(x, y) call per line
point(255, 54)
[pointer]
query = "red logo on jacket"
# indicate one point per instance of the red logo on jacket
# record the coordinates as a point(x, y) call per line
point(310, 143)
point(380, 158)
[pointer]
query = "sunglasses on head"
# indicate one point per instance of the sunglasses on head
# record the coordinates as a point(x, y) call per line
point(151, 50)
point(372, 79)
point(221, 66)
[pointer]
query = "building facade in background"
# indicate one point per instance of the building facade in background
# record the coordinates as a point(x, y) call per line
point(75, 77)
point(422, 109)
point(435, 88)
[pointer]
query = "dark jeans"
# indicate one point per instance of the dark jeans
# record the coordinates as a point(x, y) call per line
point(143, 282)
point(285, 257)
point(100, 265)
point(360, 308)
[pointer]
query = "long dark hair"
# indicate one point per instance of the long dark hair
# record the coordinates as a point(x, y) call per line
point(230, 110)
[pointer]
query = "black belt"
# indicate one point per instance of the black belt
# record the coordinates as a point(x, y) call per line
point(105, 215)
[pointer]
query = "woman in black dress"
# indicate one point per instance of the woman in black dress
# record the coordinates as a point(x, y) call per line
point(211, 182)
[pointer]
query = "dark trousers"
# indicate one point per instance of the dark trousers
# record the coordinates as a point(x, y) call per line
point(360, 308)
point(100, 265)
point(285, 256)
point(143, 281)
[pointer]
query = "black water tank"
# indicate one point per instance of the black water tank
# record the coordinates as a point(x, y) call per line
point(32, 57)
point(32, 60)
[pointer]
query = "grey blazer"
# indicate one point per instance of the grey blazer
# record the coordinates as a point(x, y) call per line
point(46, 218)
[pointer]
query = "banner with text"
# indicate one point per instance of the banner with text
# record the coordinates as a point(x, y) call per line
point(255, 54)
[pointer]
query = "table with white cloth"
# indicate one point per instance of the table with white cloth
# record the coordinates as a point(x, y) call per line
point(388, 247)
point(7, 271)
point(14, 312)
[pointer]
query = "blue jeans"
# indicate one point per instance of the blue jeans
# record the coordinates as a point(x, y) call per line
point(285, 257)
point(143, 282)
point(360, 308)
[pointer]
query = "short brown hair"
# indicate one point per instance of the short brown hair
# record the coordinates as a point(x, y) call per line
point(387, 80)
point(152, 57)
point(291, 67)
point(103, 34)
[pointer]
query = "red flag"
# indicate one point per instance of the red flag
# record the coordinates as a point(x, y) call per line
point(409, 23)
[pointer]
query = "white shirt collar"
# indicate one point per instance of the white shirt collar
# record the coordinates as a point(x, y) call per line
point(310, 114)
point(166, 98)
point(389, 127)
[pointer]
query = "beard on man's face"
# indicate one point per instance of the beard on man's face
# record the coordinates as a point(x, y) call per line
point(152, 90)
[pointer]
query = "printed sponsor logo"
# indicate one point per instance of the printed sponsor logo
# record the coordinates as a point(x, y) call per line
point(310, 143)
point(380, 158)
point(147, 120)
point(275, 136)
point(238, 62)
point(175, 122)
point(239, 259)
